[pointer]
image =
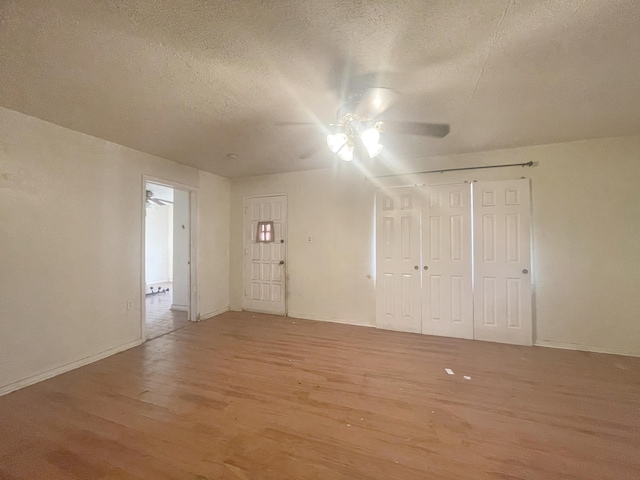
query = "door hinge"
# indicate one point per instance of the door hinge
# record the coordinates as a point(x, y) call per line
point(246, 209)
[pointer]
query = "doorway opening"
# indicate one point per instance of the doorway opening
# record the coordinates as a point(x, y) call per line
point(167, 259)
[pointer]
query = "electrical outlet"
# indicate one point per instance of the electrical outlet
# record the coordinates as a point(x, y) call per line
point(129, 304)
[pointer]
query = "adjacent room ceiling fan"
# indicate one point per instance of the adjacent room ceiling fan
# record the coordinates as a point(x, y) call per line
point(158, 201)
point(356, 133)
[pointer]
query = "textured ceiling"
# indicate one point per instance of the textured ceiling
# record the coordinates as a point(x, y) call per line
point(193, 80)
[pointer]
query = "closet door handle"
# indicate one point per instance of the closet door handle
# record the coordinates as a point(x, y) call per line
point(416, 267)
point(426, 268)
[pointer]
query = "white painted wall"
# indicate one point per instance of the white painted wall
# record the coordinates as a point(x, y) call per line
point(213, 244)
point(181, 250)
point(71, 245)
point(159, 244)
point(586, 226)
point(330, 278)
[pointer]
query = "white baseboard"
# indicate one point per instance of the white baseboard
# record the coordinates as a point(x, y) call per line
point(583, 348)
point(65, 368)
point(214, 314)
point(305, 316)
point(179, 308)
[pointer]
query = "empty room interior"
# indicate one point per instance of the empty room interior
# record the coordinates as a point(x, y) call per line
point(319, 239)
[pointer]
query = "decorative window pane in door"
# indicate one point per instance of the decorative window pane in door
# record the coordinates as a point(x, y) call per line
point(265, 232)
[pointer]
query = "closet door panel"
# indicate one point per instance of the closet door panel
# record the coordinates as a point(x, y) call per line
point(398, 302)
point(502, 261)
point(447, 297)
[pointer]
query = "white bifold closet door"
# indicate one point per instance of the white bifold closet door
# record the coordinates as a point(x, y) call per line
point(502, 261)
point(447, 296)
point(398, 259)
point(455, 263)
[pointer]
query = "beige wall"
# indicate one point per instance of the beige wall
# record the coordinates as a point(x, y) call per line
point(330, 278)
point(65, 278)
point(586, 221)
point(70, 245)
point(213, 244)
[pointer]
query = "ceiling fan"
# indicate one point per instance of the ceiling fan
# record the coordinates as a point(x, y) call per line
point(158, 201)
point(356, 133)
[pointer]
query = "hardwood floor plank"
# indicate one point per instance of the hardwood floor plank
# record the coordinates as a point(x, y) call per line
point(248, 396)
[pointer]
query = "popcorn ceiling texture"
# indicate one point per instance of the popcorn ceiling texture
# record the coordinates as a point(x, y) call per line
point(192, 80)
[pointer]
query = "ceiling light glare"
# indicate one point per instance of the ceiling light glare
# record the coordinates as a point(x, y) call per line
point(370, 137)
point(335, 142)
point(373, 150)
point(346, 153)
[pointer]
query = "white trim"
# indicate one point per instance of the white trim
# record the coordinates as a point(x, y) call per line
point(194, 314)
point(67, 367)
point(304, 316)
point(214, 314)
point(179, 308)
point(245, 197)
point(168, 183)
point(582, 348)
point(263, 312)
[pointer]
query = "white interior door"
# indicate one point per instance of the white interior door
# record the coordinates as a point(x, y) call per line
point(398, 259)
point(264, 262)
point(447, 295)
point(502, 261)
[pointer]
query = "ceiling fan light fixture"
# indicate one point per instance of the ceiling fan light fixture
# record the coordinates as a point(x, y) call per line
point(346, 153)
point(373, 150)
point(370, 137)
point(336, 142)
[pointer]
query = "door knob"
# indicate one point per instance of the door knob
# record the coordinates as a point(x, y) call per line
point(281, 262)
point(426, 268)
point(525, 271)
point(416, 267)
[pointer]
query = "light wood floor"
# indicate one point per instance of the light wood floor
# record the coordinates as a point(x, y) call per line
point(247, 396)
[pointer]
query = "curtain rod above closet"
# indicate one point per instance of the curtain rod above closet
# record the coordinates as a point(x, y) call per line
point(442, 170)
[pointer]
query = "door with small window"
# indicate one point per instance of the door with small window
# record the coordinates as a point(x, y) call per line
point(265, 228)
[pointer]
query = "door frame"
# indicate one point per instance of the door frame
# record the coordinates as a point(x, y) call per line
point(245, 198)
point(193, 313)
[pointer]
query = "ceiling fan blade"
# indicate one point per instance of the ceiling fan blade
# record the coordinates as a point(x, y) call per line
point(437, 130)
point(309, 153)
point(165, 201)
point(157, 202)
point(374, 101)
point(293, 124)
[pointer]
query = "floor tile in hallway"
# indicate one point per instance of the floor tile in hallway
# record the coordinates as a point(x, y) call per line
point(160, 319)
